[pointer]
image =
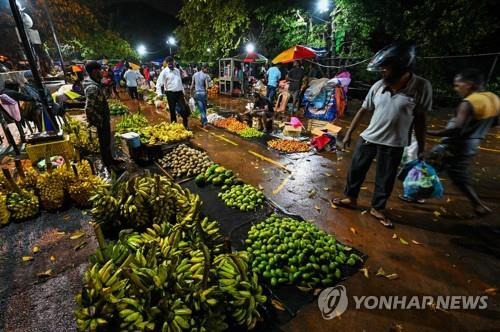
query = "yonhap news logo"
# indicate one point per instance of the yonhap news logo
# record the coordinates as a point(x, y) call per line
point(333, 302)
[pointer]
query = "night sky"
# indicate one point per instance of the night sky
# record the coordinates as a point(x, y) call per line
point(144, 22)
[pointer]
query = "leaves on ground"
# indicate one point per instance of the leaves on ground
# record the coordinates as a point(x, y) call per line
point(44, 274)
point(364, 212)
point(326, 189)
point(80, 246)
point(76, 235)
point(27, 258)
point(380, 272)
point(491, 291)
point(353, 230)
point(60, 232)
point(437, 213)
point(403, 241)
point(66, 217)
point(328, 174)
point(278, 305)
point(333, 205)
point(317, 207)
point(365, 272)
point(416, 242)
point(392, 276)
point(394, 236)
point(53, 258)
point(260, 187)
point(35, 249)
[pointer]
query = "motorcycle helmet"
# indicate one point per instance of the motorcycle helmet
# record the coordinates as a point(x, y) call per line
point(400, 56)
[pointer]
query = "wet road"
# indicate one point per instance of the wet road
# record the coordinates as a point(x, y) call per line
point(435, 249)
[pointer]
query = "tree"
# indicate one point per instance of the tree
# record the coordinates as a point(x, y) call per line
point(216, 24)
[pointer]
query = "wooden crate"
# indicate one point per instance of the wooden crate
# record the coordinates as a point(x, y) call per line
point(48, 149)
point(312, 124)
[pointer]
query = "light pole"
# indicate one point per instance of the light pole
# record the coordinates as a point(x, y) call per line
point(171, 42)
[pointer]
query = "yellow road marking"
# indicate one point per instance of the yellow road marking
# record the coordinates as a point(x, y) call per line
point(282, 184)
point(224, 139)
point(269, 160)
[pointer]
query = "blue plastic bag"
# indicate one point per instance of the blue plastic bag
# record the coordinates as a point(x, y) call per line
point(422, 182)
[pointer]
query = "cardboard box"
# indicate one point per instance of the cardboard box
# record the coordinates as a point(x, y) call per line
point(292, 131)
point(327, 129)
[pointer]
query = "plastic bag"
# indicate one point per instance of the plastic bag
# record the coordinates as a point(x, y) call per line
point(422, 182)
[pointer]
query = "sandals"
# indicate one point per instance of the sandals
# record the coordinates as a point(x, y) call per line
point(339, 202)
point(411, 200)
point(384, 221)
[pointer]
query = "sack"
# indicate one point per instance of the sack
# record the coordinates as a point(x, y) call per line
point(422, 182)
point(406, 169)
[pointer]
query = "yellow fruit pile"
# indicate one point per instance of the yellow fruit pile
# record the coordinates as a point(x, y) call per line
point(79, 135)
point(50, 187)
point(22, 205)
point(4, 213)
point(164, 133)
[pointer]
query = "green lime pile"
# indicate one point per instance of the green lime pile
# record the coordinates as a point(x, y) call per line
point(286, 250)
point(243, 197)
point(250, 133)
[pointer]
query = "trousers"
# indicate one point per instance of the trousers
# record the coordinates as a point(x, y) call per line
point(388, 160)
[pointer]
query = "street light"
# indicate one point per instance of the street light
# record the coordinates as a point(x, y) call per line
point(171, 42)
point(209, 50)
point(141, 49)
point(250, 48)
point(323, 6)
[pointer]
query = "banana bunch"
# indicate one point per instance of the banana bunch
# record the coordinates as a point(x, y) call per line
point(4, 212)
point(164, 133)
point(83, 188)
point(30, 179)
point(80, 136)
point(131, 122)
point(83, 168)
point(210, 234)
point(106, 204)
point(4, 185)
point(242, 286)
point(50, 186)
point(23, 204)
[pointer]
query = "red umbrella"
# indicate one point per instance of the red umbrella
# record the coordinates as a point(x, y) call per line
point(298, 52)
point(251, 57)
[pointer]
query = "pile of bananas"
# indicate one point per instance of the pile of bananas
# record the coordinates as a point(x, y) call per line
point(185, 161)
point(142, 201)
point(171, 277)
point(4, 212)
point(80, 135)
point(164, 133)
point(131, 122)
point(50, 186)
point(4, 185)
point(242, 286)
point(83, 188)
point(23, 204)
point(30, 179)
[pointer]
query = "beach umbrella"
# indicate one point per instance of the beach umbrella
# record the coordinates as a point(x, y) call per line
point(251, 57)
point(297, 52)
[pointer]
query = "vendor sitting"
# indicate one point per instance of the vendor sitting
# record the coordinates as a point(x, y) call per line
point(263, 109)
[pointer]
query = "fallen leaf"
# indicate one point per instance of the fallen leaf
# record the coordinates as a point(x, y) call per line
point(394, 236)
point(448, 200)
point(364, 188)
point(77, 235)
point(278, 305)
point(60, 233)
point(317, 291)
point(491, 291)
point(35, 249)
point(326, 189)
point(317, 207)
point(80, 246)
point(304, 289)
point(442, 209)
point(398, 328)
point(365, 272)
point(381, 272)
point(312, 193)
point(353, 230)
point(403, 241)
point(339, 158)
point(328, 174)
point(333, 206)
point(44, 274)
point(66, 217)
point(415, 242)
point(392, 276)
point(363, 212)
point(27, 258)
point(437, 213)
point(52, 259)
point(260, 187)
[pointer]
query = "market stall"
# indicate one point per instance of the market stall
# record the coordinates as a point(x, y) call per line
point(233, 76)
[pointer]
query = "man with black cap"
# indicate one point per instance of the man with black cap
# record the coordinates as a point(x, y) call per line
point(97, 110)
point(399, 102)
point(170, 80)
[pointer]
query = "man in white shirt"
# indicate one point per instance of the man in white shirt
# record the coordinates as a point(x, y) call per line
point(131, 76)
point(171, 81)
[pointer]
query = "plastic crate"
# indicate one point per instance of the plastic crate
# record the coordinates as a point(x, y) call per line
point(59, 148)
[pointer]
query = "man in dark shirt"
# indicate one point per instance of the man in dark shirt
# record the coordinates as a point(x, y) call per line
point(475, 115)
point(262, 108)
point(294, 78)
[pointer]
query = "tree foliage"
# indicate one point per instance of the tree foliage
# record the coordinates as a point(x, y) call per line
point(218, 25)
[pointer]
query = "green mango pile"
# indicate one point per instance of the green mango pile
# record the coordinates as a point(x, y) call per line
point(285, 250)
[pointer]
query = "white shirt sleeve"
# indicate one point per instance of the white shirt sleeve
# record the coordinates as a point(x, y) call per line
point(160, 82)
